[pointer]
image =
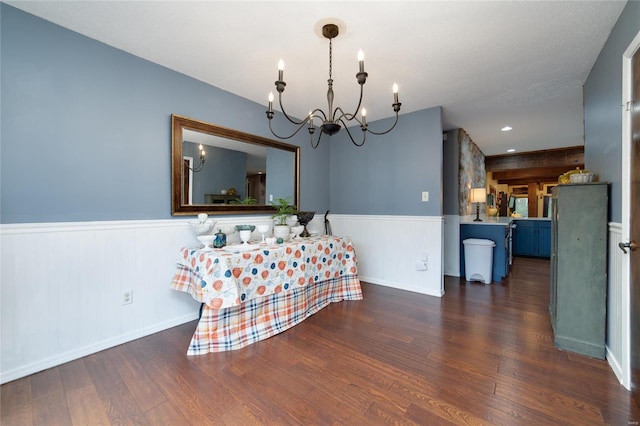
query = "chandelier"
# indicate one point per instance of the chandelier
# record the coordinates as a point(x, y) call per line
point(334, 119)
point(201, 164)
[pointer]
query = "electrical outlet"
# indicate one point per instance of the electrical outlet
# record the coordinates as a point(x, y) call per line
point(425, 196)
point(423, 262)
point(127, 297)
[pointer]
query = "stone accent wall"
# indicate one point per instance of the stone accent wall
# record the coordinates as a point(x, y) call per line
point(471, 173)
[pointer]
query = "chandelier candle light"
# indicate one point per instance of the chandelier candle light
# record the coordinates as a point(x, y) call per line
point(201, 165)
point(333, 120)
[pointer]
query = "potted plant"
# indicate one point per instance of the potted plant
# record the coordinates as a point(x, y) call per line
point(284, 210)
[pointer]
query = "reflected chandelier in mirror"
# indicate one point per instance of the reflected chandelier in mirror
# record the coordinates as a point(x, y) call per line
point(241, 173)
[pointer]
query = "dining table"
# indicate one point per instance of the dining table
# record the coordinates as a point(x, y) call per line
point(252, 291)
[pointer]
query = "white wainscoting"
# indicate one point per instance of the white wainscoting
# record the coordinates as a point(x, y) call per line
point(62, 286)
point(452, 245)
point(618, 315)
point(388, 248)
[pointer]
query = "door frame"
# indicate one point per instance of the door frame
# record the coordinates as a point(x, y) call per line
point(189, 176)
point(626, 203)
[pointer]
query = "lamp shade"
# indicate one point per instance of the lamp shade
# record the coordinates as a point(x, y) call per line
point(478, 195)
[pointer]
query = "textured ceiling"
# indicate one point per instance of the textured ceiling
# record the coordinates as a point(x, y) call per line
point(487, 63)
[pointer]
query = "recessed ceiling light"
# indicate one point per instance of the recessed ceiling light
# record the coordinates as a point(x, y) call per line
point(511, 150)
point(506, 128)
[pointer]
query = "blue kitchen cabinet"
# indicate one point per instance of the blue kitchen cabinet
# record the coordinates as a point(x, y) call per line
point(544, 239)
point(532, 238)
point(524, 238)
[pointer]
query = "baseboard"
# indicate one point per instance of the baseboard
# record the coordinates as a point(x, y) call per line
point(615, 366)
point(28, 369)
point(400, 286)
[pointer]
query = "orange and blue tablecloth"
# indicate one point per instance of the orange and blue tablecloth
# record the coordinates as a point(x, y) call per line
point(256, 294)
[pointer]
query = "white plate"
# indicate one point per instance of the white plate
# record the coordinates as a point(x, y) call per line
point(239, 248)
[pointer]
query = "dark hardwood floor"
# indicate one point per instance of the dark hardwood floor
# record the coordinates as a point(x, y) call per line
point(479, 355)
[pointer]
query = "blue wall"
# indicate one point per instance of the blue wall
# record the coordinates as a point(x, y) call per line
point(86, 128)
point(603, 110)
point(388, 174)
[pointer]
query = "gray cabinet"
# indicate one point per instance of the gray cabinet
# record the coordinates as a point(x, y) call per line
point(579, 267)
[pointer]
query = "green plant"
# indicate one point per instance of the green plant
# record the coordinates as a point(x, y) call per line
point(247, 201)
point(284, 209)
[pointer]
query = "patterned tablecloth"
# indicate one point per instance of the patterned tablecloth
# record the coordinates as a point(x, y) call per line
point(255, 294)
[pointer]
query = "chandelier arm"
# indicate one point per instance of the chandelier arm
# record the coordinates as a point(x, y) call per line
point(319, 111)
point(364, 134)
point(346, 116)
point(386, 131)
point(359, 102)
point(291, 135)
point(296, 122)
point(317, 142)
point(198, 167)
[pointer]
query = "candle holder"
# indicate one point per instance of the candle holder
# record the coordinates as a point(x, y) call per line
point(304, 218)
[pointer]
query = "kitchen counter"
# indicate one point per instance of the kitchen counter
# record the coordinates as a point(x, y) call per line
point(501, 220)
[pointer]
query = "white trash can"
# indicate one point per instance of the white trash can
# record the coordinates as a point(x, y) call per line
point(478, 259)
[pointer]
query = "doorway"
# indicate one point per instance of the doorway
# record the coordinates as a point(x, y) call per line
point(631, 202)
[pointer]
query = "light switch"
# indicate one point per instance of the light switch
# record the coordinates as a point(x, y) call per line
point(425, 196)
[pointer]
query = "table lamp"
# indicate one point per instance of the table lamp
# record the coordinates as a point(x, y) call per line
point(478, 195)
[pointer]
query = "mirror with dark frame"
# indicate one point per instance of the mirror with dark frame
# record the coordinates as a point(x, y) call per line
point(216, 170)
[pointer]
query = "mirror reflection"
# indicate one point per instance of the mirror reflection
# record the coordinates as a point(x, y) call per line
point(218, 170)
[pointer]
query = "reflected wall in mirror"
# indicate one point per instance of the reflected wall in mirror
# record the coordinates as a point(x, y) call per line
point(240, 174)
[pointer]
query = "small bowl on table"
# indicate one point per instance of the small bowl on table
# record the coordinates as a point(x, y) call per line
point(297, 230)
point(245, 232)
point(202, 228)
point(207, 241)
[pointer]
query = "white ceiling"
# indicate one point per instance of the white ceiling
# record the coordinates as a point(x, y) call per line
point(487, 63)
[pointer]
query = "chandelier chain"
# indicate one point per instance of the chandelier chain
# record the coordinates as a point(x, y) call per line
point(330, 57)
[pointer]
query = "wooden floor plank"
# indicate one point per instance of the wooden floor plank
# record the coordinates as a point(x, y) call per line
point(165, 414)
point(51, 409)
point(145, 392)
point(16, 402)
point(482, 354)
point(86, 407)
point(556, 404)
